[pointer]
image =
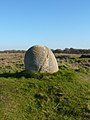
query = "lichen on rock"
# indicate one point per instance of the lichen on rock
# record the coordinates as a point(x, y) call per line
point(41, 59)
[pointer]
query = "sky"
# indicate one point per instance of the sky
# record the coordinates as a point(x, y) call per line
point(57, 24)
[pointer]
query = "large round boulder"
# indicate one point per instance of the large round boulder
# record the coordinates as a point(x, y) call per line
point(40, 58)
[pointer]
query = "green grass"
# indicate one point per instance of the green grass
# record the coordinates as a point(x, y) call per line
point(64, 95)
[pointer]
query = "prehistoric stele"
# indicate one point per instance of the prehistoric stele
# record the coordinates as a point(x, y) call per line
point(40, 58)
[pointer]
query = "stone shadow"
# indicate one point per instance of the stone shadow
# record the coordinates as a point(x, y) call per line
point(13, 75)
point(25, 74)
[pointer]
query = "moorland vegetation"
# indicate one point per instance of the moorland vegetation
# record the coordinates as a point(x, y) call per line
point(64, 95)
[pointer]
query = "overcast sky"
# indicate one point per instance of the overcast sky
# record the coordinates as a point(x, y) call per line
point(54, 23)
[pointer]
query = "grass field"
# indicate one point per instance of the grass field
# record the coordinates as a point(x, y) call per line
point(64, 95)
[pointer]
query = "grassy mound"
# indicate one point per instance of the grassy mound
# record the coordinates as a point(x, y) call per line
point(64, 95)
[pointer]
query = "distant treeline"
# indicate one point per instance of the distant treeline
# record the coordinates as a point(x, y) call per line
point(65, 51)
point(13, 51)
point(72, 51)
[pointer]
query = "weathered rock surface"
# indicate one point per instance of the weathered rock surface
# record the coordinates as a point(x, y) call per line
point(40, 58)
